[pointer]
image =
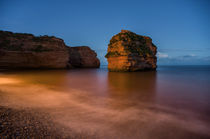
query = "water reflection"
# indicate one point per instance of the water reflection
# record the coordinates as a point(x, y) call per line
point(136, 84)
point(113, 104)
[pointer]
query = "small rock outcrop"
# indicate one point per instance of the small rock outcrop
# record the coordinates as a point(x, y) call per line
point(83, 57)
point(128, 51)
point(20, 50)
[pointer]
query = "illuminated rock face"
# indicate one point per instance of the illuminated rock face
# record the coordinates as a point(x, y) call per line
point(128, 51)
point(20, 50)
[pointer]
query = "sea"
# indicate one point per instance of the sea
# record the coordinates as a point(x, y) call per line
point(171, 102)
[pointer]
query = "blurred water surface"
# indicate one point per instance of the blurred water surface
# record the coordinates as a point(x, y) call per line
point(172, 102)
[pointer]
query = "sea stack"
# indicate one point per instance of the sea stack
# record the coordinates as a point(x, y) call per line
point(21, 50)
point(128, 51)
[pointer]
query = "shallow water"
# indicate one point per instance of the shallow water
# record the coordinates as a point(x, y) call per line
point(173, 102)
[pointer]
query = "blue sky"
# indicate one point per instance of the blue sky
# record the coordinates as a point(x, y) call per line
point(179, 28)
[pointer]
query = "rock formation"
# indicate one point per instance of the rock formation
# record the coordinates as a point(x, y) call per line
point(19, 50)
point(83, 57)
point(128, 51)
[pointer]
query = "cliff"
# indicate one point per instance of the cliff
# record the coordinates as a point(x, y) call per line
point(20, 50)
point(128, 51)
point(83, 57)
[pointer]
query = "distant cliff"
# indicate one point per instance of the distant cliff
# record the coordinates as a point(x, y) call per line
point(20, 50)
point(128, 51)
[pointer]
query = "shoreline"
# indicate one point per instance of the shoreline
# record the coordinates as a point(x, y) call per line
point(31, 123)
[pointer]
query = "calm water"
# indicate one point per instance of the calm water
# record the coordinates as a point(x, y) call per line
point(173, 102)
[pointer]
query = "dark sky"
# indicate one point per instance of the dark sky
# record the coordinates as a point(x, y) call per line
point(179, 28)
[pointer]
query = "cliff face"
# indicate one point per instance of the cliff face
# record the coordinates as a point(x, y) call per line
point(18, 50)
point(128, 51)
point(83, 57)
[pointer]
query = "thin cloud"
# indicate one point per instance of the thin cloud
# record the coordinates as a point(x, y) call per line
point(181, 49)
point(190, 59)
point(189, 56)
point(162, 55)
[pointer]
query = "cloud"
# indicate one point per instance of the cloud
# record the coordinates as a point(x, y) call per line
point(189, 59)
point(189, 56)
point(181, 49)
point(162, 55)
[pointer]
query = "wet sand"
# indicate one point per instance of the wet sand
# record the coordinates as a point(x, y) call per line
point(99, 104)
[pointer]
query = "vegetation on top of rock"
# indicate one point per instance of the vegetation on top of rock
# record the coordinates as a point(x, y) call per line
point(45, 38)
point(112, 54)
point(4, 34)
point(131, 42)
point(8, 34)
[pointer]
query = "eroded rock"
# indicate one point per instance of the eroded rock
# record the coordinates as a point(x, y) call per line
point(20, 50)
point(128, 51)
point(83, 57)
